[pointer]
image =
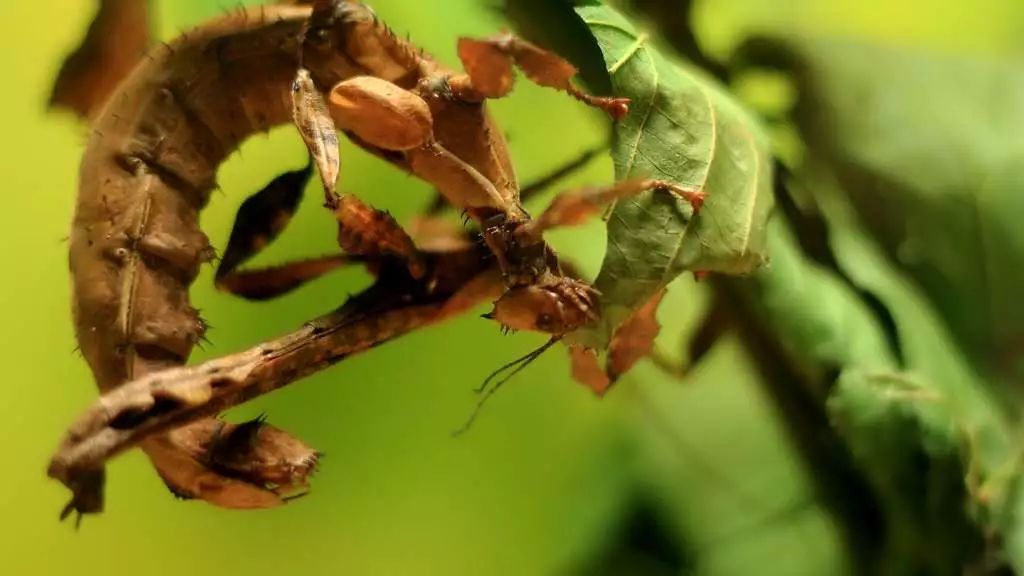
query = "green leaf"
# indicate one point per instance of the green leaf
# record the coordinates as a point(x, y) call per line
point(928, 345)
point(931, 146)
point(908, 439)
point(959, 418)
point(681, 128)
point(925, 435)
point(815, 315)
point(925, 432)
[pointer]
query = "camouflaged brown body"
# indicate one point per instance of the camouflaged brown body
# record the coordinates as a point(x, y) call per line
point(151, 162)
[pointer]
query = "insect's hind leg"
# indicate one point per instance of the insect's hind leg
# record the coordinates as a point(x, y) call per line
point(489, 63)
point(261, 219)
point(573, 208)
point(273, 281)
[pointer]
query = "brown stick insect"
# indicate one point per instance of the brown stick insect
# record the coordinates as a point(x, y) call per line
point(149, 167)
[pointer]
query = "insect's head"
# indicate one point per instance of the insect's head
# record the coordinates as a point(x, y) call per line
point(333, 22)
point(556, 308)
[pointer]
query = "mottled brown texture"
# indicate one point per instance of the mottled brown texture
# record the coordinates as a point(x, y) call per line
point(267, 463)
point(313, 119)
point(366, 231)
point(148, 169)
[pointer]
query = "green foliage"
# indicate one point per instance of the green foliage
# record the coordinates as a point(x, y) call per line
point(925, 142)
point(908, 439)
point(685, 129)
point(817, 317)
point(896, 175)
point(923, 433)
point(892, 178)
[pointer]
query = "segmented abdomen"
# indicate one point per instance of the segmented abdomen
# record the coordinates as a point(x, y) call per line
point(148, 170)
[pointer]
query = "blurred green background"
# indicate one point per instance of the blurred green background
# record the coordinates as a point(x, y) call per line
point(550, 481)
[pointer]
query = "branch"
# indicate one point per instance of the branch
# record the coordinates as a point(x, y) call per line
point(166, 400)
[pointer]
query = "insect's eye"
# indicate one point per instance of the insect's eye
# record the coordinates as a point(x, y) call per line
point(544, 321)
point(295, 86)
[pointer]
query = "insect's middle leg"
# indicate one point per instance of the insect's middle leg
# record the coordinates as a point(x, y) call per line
point(489, 72)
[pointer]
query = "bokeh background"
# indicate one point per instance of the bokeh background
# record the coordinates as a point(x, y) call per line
point(663, 475)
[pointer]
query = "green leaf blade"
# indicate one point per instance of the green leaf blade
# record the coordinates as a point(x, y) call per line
point(683, 129)
point(930, 146)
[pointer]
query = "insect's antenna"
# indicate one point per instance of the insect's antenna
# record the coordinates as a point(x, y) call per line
point(524, 360)
point(517, 365)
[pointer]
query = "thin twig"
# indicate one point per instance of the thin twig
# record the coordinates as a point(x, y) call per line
point(166, 400)
point(163, 401)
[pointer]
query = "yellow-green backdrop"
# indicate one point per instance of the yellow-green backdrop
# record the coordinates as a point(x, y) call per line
point(543, 481)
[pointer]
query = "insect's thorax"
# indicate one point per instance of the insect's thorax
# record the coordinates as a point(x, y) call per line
point(369, 47)
point(463, 129)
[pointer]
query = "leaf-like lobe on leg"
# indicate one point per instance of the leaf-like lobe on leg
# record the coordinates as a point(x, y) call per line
point(367, 231)
point(381, 113)
point(587, 370)
point(489, 68)
point(262, 217)
point(274, 281)
point(634, 340)
point(112, 46)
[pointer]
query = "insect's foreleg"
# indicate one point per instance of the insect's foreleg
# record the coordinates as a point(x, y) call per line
point(363, 230)
point(573, 208)
point(488, 64)
point(273, 281)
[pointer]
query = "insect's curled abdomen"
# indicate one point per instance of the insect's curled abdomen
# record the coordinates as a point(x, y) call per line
point(148, 169)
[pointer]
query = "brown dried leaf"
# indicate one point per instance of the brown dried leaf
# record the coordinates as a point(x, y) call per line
point(634, 340)
point(587, 370)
